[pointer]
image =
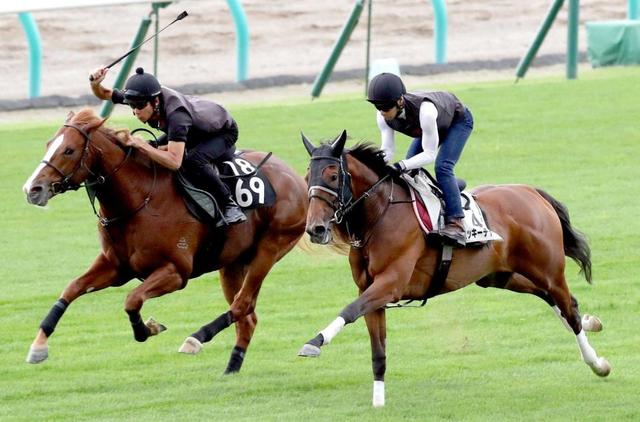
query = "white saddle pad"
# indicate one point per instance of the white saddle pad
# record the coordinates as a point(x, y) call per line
point(475, 226)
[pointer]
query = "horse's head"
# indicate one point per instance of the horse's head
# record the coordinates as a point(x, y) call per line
point(329, 187)
point(66, 164)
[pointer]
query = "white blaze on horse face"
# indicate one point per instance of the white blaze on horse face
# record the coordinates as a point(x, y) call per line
point(47, 157)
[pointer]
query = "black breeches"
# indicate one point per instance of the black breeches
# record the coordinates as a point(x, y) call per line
point(199, 161)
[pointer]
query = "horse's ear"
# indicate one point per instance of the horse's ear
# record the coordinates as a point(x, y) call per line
point(338, 144)
point(95, 125)
point(307, 144)
point(70, 116)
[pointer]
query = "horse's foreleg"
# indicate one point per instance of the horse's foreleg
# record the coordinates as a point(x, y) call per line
point(387, 287)
point(164, 280)
point(100, 275)
point(376, 324)
point(231, 279)
point(243, 303)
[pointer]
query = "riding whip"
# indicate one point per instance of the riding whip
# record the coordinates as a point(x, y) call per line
point(119, 59)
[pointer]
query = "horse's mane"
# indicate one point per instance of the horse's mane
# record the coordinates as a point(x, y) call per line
point(370, 156)
point(88, 116)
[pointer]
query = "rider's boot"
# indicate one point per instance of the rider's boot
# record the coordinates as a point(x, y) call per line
point(231, 213)
point(453, 232)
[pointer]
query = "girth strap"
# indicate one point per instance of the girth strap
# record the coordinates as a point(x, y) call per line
point(437, 282)
point(441, 273)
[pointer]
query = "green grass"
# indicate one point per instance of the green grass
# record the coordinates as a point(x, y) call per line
point(472, 355)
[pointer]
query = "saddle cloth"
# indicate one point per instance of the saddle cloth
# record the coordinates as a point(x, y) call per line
point(428, 206)
point(248, 185)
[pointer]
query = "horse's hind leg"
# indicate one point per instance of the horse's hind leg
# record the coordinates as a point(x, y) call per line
point(567, 306)
point(520, 284)
point(100, 275)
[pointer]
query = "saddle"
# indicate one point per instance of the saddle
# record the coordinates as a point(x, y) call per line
point(248, 185)
point(428, 205)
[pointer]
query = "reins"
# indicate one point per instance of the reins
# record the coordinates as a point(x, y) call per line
point(100, 180)
point(341, 213)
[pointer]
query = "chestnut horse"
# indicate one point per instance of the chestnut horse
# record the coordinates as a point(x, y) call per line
point(352, 194)
point(147, 232)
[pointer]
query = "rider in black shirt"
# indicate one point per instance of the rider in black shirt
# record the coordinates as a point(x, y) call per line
point(197, 132)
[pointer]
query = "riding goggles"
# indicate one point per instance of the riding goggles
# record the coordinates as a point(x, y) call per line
point(137, 105)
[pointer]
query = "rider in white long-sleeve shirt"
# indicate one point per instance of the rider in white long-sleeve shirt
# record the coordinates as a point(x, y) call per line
point(440, 125)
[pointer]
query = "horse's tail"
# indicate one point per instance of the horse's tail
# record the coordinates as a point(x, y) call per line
point(575, 243)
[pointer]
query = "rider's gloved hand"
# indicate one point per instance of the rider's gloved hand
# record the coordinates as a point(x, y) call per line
point(396, 169)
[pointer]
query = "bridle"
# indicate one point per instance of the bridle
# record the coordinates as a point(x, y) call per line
point(343, 196)
point(66, 184)
point(344, 204)
point(95, 180)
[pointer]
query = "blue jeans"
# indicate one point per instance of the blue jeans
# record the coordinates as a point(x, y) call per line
point(448, 154)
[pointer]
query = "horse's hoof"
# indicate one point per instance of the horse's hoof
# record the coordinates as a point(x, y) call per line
point(154, 327)
point(602, 368)
point(191, 346)
point(591, 323)
point(37, 354)
point(309, 351)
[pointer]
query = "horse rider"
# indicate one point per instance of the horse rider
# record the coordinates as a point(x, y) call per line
point(197, 133)
point(440, 125)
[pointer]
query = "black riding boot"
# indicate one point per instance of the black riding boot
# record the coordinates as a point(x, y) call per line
point(231, 213)
point(453, 233)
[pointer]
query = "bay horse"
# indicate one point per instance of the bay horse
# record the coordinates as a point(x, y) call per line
point(352, 194)
point(146, 232)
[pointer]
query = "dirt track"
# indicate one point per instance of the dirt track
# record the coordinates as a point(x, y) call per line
point(285, 38)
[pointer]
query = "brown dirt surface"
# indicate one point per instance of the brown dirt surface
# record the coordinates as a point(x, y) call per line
point(286, 38)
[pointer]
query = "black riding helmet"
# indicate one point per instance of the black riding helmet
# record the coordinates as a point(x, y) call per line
point(385, 88)
point(141, 87)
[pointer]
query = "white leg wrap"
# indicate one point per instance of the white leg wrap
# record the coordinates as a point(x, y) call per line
point(564, 321)
point(332, 329)
point(378, 393)
point(588, 353)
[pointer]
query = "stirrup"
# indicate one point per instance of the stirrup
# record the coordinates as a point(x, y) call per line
point(453, 241)
point(226, 220)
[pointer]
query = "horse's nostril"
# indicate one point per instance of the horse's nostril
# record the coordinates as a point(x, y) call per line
point(36, 189)
point(319, 230)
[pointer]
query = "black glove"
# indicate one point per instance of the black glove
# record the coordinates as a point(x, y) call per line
point(396, 169)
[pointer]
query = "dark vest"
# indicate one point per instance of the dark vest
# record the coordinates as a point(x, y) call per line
point(207, 116)
point(449, 109)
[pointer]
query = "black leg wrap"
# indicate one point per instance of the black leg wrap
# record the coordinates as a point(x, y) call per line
point(379, 365)
point(350, 313)
point(235, 361)
point(207, 332)
point(140, 331)
point(317, 340)
point(49, 322)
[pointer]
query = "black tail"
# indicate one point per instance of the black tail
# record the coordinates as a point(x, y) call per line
point(575, 243)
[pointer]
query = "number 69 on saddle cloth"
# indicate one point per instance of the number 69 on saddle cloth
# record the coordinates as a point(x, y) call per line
point(249, 187)
point(428, 207)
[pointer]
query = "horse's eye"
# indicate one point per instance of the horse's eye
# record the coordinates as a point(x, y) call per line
point(334, 177)
point(68, 151)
